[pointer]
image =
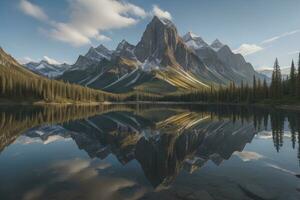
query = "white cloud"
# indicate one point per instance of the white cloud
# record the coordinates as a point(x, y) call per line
point(247, 49)
point(27, 59)
point(102, 38)
point(33, 10)
point(273, 39)
point(160, 13)
point(51, 60)
point(89, 18)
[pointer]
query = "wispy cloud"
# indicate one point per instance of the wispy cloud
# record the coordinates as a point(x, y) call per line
point(51, 61)
point(160, 13)
point(33, 10)
point(247, 49)
point(88, 19)
point(27, 59)
point(277, 37)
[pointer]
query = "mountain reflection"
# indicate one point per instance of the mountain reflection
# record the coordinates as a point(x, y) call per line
point(163, 140)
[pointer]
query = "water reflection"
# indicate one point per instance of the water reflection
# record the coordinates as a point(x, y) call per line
point(163, 140)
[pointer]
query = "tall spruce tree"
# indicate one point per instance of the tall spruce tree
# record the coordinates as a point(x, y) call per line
point(265, 89)
point(298, 79)
point(254, 88)
point(276, 87)
point(292, 80)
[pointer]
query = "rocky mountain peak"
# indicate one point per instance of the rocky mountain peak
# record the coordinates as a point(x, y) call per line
point(164, 21)
point(102, 48)
point(190, 36)
point(124, 49)
point(43, 61)
point(99, 53)
point(123, 45)
point(194, 41)
point(160, 36)
point(216, 45)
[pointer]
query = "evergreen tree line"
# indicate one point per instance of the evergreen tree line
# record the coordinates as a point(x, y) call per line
point(279, 88)
point(20, 86)
point(17, 85)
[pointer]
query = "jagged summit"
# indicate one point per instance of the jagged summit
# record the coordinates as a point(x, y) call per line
point(162, 60)
point(156, 40)
point(194, 41)
point(163, 20)
point(190, 35)
point(124, 49)
point(123, 44)
point(102, 47)
point(98, 53)
point(216, 45)
point(46, 68)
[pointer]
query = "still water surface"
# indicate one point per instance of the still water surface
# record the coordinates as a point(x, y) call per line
point(149, 152)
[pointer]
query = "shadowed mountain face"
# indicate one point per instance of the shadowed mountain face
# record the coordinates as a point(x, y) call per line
point(161, 62)
point(221, 60)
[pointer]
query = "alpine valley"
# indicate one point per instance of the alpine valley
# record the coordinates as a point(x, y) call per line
point(162, 62)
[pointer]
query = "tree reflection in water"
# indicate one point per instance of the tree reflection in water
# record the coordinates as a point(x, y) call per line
point(164, 140)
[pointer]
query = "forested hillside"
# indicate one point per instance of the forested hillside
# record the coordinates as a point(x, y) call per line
point(19, 84)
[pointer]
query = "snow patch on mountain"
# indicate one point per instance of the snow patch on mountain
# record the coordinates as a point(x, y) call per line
point(46, 69)
point(194, 41)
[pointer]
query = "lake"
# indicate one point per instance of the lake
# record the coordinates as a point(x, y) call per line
point(149, 152)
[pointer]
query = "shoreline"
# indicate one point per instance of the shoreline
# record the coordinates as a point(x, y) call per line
point(286, 107)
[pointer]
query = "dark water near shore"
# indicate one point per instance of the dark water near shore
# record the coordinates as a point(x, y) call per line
point(149, 152)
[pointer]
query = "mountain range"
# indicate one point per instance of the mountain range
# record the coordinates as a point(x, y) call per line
point(161, 62)
point(285, 72)
point(47, 69)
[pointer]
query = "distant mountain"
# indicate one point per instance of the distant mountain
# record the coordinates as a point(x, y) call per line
point(268, 72)
point(161, 62)
point(221, 60)
point(22, 85)
point(47, 69)
point(194, 41)
point(216, 45)
point(92, 57)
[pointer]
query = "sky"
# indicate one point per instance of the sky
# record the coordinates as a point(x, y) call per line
point(60, 30)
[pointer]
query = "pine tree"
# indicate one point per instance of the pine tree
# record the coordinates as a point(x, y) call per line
point(292, 80)
point(298, 79)
point(254, 88)
point(265, 89)
point(276, 87)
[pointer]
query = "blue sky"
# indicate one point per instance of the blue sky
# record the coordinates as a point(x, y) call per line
point(63, 29)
